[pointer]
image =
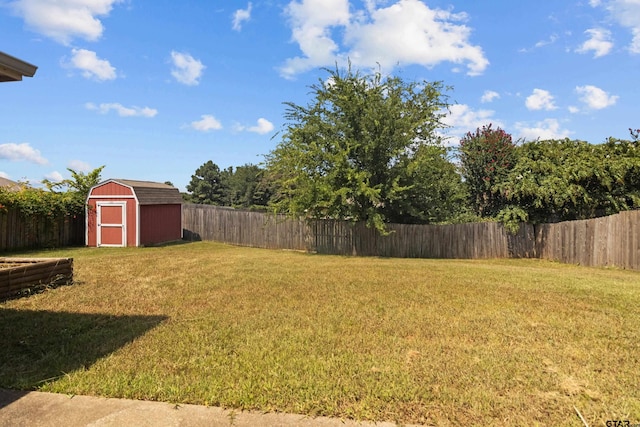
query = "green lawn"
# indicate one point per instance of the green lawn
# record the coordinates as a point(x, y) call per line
point(446, 342)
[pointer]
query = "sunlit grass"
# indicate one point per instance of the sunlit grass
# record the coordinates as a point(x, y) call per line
point(497, 342)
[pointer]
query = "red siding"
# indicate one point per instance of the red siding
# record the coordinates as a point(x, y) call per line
point(112, 189)
point(160, 223)
point(132, 222)
point(92, 228)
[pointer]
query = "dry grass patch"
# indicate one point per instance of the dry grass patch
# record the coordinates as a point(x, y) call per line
point(498, 342)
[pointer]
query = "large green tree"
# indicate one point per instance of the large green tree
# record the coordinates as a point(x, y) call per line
point(486, 157)
point(210, 185)
point(356, 150)
point(247, 187)
point(435, 192)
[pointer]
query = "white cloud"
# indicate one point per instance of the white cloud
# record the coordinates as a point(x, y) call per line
point(540, 99)
point(79, 166)
point(311, 22)
point(540, 44)
point(122, 110)
point(634, 47)
point(551, 40)
point(262, 127)
point(187, 69)
point(240, 16)
point(4, 175)
point(21, 152)
point(546, 129)
point(599, 42)
point(462, 119)
point(407, 32)
point(595, 98)
point(627, 14)
point(207, 123)
point(489, 96)
point(91, 65)
point(54, 176)
point(62, 20)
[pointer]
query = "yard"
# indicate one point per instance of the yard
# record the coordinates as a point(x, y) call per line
point(445, 342)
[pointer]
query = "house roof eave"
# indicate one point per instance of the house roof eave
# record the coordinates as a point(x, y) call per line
point(13, 69)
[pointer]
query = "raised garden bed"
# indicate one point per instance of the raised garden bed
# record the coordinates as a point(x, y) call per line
point(25, 275)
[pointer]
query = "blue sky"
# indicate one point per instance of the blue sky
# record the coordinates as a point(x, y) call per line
point(155, 88)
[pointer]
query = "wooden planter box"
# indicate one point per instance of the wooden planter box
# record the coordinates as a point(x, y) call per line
point(18, 275)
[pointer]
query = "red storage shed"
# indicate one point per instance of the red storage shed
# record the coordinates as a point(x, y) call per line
point(123, 212)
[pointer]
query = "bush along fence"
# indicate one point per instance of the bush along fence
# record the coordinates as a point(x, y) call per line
point(18, 231)
point(607, 241)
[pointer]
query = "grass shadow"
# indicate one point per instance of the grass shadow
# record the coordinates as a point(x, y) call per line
point(37, 288)
point(41, 346)
point(168, 244)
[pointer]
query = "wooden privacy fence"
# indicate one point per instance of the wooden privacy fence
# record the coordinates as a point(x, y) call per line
point(607, 241)
point(475, 240)
point(20, 232)
point(257, 229)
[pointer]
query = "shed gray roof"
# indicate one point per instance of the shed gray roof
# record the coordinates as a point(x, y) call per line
point(151, 193)
point(13, 69)
point(9, 185)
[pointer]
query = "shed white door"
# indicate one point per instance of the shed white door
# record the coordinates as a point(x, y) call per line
point(112, 220)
